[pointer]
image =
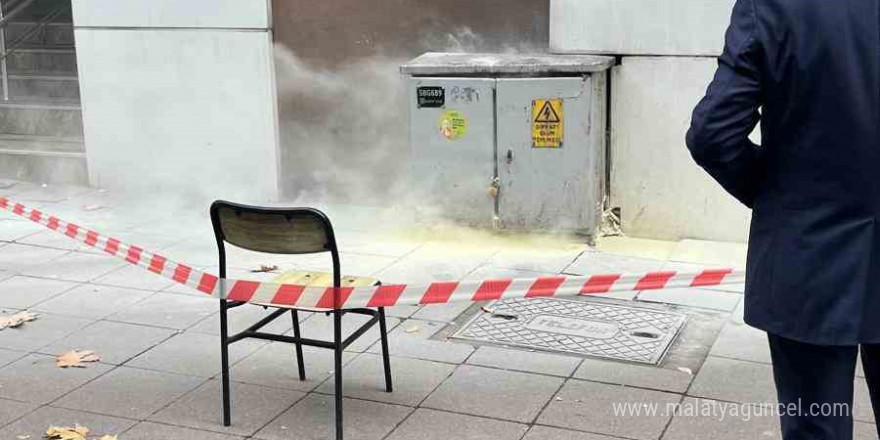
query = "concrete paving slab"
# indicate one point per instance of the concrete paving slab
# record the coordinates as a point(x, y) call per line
point(364, 378)
point(379, 245)
point(252, 408)
point(134, 277)
point(487, 272)
point(147, 240)
point(313, 419)
point(92, 301)
point(25, 292)
point(536, 258)
point(402, 312)
point(595, 263)
point(738, 315)
point(45, 330)
point(154, 431)
point(17, 258)
point(414, 271)
point(634, 375)
point(54, 240)
point(735, 381)
point(548, 433)
point(692, 297)
point(525, 361)
point(412, 339)
point(461, 244)
point(168, 310)
point(193, 252)
point(274, 365)
point(11, 410)
point(14, 229)
point(9, 187)
point(691, 267)
point(320, 326)
point(76, 266)
point(36, 379)
point(637, 247)
point(589, 406)
point(129, 392)
point(9, 356)
point(471, 390)
point(740, 341)
point(864, 431)
point(692, 424)
point(426, 424)
point(51, 193)
point(444, 313)
point(240, 318)
point(598, 263)
point(352, 264)
point(713, 253)
point(194, 354)
point(116, 342)
point(35, 424)
point(231, 272)
point(862, 409)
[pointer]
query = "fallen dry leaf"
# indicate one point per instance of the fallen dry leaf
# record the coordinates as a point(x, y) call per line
point(16, 320)
point(67, 433)
point(108, 437)
point(265, 268)
point(75, 358)
point(22, 437)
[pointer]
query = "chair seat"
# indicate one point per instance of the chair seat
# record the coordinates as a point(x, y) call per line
point(317, 279)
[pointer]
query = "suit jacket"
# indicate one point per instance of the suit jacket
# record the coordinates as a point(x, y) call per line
point(809, 70)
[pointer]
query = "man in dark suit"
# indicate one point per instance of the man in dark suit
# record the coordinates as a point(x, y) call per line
point(809, 70)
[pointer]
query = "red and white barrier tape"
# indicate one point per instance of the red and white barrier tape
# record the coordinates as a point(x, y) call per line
point(379, 296)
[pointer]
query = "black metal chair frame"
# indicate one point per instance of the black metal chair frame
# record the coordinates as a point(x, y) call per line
point(338, 345)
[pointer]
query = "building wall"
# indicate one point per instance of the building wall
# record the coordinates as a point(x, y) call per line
point(639, 27)
point(669, 51)
point(333, 32)
point(661, 192)
point(179, 95)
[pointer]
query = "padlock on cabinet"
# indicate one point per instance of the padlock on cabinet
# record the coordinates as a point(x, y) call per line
point(495, 187)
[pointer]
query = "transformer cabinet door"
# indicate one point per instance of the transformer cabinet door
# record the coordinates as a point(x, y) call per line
point(551, 153)
point(452, 147)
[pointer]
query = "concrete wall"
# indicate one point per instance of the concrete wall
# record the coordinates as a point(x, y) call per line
point(179, 95)
point(333, 32)
point(668, 53)
point(661, 192)
point(639, 27)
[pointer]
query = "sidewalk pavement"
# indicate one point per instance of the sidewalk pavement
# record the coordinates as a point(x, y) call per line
point(158, 342)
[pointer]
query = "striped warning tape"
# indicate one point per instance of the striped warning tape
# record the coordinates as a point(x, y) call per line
point(379, 296)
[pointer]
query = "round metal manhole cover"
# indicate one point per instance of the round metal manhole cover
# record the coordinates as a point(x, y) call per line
point(577, 327)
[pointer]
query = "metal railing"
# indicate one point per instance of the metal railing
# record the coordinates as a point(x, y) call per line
point(16, 8)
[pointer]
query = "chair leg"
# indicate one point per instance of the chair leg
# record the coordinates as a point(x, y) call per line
point(386, 359)
point(300, 363)
point(224, 367)
point(337, 340)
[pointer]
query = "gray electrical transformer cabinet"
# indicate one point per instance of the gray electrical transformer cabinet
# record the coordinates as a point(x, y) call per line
point(510, 141)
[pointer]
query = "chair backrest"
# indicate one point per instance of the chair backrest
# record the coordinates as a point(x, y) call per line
point(273, 230)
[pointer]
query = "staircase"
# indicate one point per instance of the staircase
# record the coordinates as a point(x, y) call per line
point(41, 133)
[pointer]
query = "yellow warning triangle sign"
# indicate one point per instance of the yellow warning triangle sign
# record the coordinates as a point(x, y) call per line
point(547, 114)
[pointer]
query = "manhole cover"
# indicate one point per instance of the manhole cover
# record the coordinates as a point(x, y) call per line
point(580, 327)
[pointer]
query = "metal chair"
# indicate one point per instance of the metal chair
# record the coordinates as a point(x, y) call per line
point(287, 231)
